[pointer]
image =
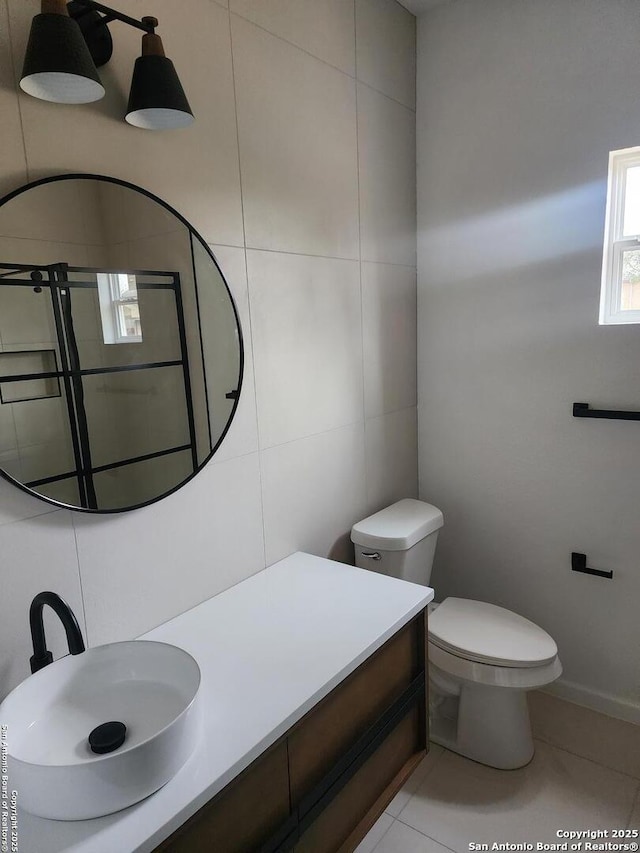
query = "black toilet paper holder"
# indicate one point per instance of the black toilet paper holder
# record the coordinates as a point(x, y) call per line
point(579, 564)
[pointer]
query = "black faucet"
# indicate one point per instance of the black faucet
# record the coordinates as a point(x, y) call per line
point(41, 655)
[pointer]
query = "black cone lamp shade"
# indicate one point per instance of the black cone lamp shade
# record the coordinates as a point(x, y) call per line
point(157, 100)
point(58, 66)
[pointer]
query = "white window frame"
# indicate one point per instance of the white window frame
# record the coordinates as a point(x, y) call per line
point(615, 244)
point(110, 304)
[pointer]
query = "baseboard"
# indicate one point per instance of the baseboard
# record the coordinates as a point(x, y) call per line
point(604, 703)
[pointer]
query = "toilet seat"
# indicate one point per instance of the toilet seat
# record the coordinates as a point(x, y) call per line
point(486, 634)
point(518, 678)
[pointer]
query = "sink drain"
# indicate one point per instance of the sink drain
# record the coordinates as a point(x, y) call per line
point(107, 737)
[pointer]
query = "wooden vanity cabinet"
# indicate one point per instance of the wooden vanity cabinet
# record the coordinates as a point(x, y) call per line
point(344, 822)
point(251, 808)
point(322, 786)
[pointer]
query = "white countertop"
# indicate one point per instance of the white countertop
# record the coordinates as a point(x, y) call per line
point(269, 649)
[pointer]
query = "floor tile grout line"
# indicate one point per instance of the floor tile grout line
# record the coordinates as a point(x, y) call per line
point(634, 804)
point(424, 835)
point(586, 758)
point(400, 819)
point(423, 779)
point(384, 834)
point(624, 713)
point(590, 760)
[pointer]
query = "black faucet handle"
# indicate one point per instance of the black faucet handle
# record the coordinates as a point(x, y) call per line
point(37, 662)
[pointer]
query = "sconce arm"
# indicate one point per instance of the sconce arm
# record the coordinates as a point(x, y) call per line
point(147, 25)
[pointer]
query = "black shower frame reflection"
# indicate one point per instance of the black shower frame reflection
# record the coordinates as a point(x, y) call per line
point(66, 372)
point(71, 371)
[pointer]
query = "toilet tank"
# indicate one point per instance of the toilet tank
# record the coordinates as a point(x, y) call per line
point(399, 541)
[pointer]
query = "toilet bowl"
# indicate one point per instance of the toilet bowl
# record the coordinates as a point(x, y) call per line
point(482, 658)
point(485, 658)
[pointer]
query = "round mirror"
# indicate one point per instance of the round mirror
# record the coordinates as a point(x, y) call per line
point(120, 347)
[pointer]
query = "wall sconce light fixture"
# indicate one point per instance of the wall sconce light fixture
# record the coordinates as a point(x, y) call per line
point(68, 42)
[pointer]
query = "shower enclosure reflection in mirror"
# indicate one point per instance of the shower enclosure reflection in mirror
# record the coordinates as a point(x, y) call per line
point(121, 354)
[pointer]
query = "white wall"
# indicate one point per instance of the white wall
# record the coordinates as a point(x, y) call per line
point(292, 174)
point(519, 104)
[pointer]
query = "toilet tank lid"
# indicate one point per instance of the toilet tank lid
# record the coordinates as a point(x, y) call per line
point(398, 527)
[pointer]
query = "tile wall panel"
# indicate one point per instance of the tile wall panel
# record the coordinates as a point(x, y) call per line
point(392, 459)
point(307, 339)
point(386, 49)
point(243, 433)
point(325, 29)
point(387, 156)
point(389, 337)
point(141, 568)
point(298, 150)
point(37, 554)
point(313, 491)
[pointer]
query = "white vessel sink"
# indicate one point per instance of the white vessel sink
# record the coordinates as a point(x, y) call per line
point(150, 687)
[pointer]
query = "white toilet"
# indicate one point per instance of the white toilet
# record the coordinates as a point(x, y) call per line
point(482, 658)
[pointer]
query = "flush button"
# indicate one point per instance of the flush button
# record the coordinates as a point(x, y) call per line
point(107, 737)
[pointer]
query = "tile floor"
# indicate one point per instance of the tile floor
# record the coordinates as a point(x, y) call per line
point(450, 802)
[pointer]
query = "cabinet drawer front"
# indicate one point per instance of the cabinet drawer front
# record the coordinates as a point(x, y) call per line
point(334, 829)
point(243, 815)
point(327, 732)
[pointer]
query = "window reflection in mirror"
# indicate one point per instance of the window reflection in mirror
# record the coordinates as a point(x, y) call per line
point(119, 308)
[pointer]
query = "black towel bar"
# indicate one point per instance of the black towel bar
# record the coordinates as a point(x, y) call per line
point(582, 410)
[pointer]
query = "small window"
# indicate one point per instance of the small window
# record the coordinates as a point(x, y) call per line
point(119, 308)
point(620, 293)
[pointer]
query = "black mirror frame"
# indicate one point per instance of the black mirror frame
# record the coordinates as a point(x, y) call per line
point(118, 181)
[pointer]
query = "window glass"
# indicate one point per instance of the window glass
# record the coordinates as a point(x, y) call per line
point(632, 203)
point(620, 290)
point(119, 308)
